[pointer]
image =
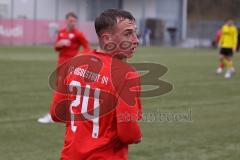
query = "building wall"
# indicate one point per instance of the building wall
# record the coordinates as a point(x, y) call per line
point(43, 9)
point(97, 6)
point(23, 9)
point(5, 9)
point(66, 6)
point(137, 9)
point(83, 9)
point(46, 11)
point(167, 10)
point(170, 11)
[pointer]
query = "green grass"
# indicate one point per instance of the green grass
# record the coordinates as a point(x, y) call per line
point(213, 133)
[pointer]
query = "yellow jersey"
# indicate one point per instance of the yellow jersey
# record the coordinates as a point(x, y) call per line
point(228, 38)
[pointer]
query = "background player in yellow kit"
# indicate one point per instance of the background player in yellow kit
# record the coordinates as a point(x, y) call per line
point(228, 45)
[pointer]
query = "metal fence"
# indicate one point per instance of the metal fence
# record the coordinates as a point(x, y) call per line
point(204, 29)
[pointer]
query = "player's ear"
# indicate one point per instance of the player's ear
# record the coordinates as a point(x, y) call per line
point(106, 37)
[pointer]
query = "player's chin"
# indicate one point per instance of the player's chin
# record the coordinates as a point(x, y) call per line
point(131, 52)
point(126, 53)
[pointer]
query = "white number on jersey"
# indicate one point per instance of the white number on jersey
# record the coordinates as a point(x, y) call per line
point(95, 117)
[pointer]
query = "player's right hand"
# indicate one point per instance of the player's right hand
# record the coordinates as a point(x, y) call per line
point(64, 42)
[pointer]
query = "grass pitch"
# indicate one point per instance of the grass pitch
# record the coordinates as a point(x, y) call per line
point(209, 102)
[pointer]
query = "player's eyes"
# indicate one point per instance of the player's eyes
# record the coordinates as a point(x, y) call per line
point(127, 34)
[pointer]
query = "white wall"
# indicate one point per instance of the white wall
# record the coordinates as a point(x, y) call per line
point(23, 8)
point(46, 11)
point(57, 9)
point(167, 10)
point(65, 6)
point(136, 8)
point(83, 10)
point(5, 10)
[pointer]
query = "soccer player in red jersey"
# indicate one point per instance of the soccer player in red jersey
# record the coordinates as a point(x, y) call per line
point(69, 39)
point(102, 94)
point(68, 42)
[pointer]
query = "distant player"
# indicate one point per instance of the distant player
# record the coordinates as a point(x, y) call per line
point(228, 45)
point(68, 42)
point(103, 110)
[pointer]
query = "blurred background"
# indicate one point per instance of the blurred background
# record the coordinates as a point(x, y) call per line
point(200, 115)
point(33, 22)
point(185, 23)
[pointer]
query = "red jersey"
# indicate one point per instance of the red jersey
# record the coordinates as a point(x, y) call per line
point(76, 39)
point(103, 112)
point(218, 36)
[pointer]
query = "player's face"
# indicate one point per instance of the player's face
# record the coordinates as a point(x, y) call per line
point(230, 22)
point(124, 35)
point(71, 22)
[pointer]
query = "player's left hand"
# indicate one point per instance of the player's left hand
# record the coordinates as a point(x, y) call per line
point(234, 50)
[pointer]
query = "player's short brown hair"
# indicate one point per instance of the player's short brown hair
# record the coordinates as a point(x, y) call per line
point(108, 18)
point(71, 14)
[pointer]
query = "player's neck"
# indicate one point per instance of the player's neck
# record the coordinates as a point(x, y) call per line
point(99, 49)
point(69, 29)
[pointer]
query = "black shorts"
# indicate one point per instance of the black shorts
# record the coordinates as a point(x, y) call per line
point(228, 52)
